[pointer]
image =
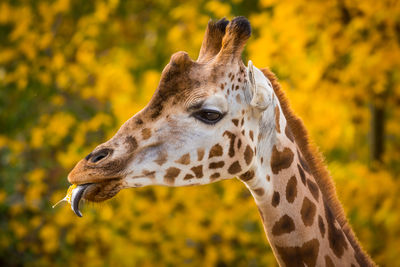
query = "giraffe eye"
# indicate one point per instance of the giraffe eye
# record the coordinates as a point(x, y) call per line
point(208, 116)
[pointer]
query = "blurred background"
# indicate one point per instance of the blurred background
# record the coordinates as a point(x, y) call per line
point(71, 72)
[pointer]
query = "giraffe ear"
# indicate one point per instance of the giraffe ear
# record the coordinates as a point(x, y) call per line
point(260, 87)
point(212, 39)
point(237, 33)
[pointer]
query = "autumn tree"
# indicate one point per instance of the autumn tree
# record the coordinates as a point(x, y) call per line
point(71, 72)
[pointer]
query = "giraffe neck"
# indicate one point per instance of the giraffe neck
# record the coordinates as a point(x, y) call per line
point(299, 223)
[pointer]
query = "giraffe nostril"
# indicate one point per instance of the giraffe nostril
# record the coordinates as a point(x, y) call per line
point(88, 156)
point(99, 155)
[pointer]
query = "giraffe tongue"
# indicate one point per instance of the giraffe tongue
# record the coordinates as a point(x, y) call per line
point(77, 194)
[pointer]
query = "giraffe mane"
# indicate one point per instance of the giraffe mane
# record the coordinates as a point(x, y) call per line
point(317, 167)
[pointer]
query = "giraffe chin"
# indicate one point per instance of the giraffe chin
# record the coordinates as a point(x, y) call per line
point(95, 192)
point(101, 191)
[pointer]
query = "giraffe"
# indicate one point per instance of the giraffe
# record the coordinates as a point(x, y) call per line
point(213, 119)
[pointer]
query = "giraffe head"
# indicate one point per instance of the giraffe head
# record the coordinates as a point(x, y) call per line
point(199, 127)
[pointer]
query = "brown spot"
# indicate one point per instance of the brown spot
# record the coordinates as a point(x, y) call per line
point(214, 176)
point(248, 154)
point(150, 174)
point(289, 133)
point(313, 189)
point(262, 160)
point(284, 225)
point(146, 133)
point(156, 109)
point(259, 191)
point(200, 154)
point(302, 174)
point(281, 160)
point(235, 121)
point(239, 143)
point(308, 211)
point(303, 162)
point(321, 225)
point(131, 142)
point(185, 159)
point(291, 189)
point(247, 175)
point(328, 261)
point(161, 158)
point(275, 199)
point(232, 138)
point(307, 254)
point(222, 86)
point(171, 174)
point(198, 171)
point(241, 124)
point(260, 137)
point(237, 87)
point(234, 168)
point(188, 176)
point(238, 99)
point(139, 121)
point(268, 178)
point(215, 151)
point(216, 165)
point(251, 135)
point(337, 241)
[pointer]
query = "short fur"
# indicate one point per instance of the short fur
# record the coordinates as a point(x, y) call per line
point(212, 39)
point(237, 33)
point(317, 167)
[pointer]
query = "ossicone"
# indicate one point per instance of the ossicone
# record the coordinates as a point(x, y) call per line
point(212, 41)
point(237, 33)
point(181, 58)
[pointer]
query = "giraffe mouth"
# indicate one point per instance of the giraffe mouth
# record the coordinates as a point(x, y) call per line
point(94, 192)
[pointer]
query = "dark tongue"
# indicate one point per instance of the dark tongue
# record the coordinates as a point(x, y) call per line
point(76, 198)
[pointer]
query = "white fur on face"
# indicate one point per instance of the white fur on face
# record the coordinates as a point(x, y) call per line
point(182, 135)
point(173, 151)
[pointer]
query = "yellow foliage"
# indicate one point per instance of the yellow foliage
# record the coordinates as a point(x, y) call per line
point(219, 9)
point(3, 196)
point(49, 237)
point(71, 72)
